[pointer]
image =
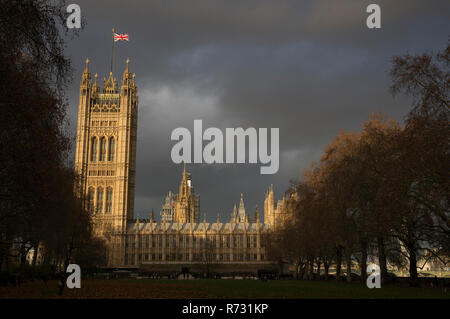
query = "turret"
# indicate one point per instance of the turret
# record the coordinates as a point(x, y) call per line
point(269, 206)
point(241, 212)
point(86, 76)
point(127, 79)
point(184, 189)
point(110, 85)
point(234, 214)
point(95, 87)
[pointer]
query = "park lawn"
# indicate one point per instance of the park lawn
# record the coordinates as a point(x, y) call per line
point(222, 288)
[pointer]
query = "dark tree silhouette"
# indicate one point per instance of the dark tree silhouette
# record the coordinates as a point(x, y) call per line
point(38, 205)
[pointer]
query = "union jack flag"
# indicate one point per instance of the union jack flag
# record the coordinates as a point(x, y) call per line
point(120, 37)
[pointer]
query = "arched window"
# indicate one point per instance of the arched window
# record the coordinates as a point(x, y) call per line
point(112, 149)
point(102, 149)
point(93, 149)
point(109, 194)
point(91, 199)
point(100, 200)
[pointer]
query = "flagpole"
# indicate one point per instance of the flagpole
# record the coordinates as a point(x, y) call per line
point(112, 51)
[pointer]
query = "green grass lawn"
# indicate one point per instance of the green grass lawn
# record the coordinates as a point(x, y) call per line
point(147, 288)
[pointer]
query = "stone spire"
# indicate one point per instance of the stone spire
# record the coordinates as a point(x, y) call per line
point(86, 69)
point(127, 76)
point(269, 206)
point(184, 187)
point(204, 222)
point(86, 77)
point(234, 214)
point(241, 213)
point(110, 85)
point(96, 87)
point(256, 213)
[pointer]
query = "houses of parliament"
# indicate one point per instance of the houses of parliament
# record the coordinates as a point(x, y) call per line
point(105, 159)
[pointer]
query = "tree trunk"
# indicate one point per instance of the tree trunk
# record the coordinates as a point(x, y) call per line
point(6, 245)
point(23, 255)
point(303, 271)
point(363, 263)
point(382, 258)
point(326, 267)
point(413, 267)
point(319, 263)
point(338, 264)
point(311, 269)
point(349, 267)
point(36, 250)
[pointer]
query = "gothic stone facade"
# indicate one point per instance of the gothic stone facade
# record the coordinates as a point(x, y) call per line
point(106, 162)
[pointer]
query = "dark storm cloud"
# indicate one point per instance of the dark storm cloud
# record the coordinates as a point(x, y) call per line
point(307, 67)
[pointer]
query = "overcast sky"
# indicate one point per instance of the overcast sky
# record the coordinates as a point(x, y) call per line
point(309, 68)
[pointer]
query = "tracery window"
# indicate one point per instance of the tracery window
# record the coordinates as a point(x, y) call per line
point(91, 199)
point(100, 199)
point(109, 194)
point(102, 149)
point(94, 149)
point(112, 149)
